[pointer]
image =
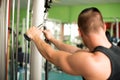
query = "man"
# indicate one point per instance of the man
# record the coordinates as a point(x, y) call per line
point(100, 62)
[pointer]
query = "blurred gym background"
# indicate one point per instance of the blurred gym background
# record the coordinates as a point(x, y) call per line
point(20, 60)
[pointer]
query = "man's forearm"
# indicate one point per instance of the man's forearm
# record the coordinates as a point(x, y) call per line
point(65, 47)
point(44, 48)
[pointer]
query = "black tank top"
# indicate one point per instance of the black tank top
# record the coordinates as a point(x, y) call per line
point(113, 54)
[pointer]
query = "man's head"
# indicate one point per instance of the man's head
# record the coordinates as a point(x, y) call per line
point(90, 20)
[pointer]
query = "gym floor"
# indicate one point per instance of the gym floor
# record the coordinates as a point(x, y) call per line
point(53, 75)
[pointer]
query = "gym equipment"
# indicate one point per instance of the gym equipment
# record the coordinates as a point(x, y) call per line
point(4, 9)
point(12, 74)
point(17, 36)
point(47, 5)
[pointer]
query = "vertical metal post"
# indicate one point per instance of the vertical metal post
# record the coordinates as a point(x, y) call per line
point(23, 31)
point(17, 32)
point(62, 32)
point(111, 28)
point(27, 25)
point(117, 29)
point(35, 57)
point(7, 36)
point(12, 70)
point(3, 39)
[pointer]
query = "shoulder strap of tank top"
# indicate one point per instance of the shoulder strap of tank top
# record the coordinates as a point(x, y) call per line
point(103, 49)
point(99, 48)
point(106, 51)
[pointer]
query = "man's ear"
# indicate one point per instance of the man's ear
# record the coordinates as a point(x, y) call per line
point(104, 27)
point(79, 31)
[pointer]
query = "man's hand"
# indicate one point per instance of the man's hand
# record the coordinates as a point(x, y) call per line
point(34, 32)
point(48, 35)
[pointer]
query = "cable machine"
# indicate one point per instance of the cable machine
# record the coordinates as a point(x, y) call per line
point(47, 5)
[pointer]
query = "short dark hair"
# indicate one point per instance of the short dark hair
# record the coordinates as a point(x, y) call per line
point(90, 19)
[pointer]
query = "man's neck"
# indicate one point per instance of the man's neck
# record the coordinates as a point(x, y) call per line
point(98, 40)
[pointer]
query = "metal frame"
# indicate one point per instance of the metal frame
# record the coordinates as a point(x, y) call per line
point(3, 34)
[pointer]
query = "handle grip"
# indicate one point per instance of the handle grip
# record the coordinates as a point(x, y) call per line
point(46, 40)
point(26, 37)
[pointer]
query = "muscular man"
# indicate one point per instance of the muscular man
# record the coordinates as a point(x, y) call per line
point(100, 62)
